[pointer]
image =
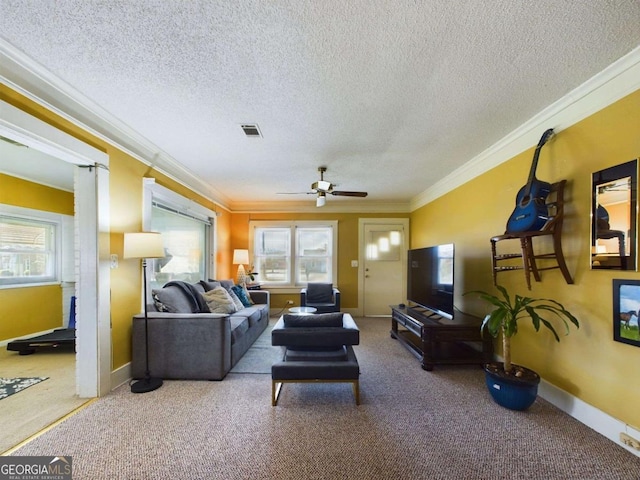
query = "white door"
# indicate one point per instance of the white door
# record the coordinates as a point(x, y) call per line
point(384, 260)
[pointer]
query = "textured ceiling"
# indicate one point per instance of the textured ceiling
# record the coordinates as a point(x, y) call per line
point(390, 95)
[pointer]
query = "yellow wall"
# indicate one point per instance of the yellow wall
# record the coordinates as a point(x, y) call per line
point(587, 363)
point(22, 193)
point(125, 180)
point(126, 192)
point(21, 315)
point(347, 248)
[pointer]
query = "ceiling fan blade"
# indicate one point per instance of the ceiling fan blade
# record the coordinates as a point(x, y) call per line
point(296, 193)
point(322, 188)
point(343, 193)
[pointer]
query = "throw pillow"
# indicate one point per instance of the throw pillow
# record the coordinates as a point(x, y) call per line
point(171, 299)
point(219, 301)
point(244, 287)
point(241, 293)
point(236, 300)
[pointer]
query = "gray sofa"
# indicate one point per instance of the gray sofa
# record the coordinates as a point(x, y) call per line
point(186, 342)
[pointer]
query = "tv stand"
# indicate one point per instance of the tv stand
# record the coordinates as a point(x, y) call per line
point(437, 340)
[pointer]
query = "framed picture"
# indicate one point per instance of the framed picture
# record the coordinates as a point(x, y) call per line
point(626, 308)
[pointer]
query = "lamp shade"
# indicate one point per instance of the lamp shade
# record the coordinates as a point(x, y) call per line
point(143, 245)
point(240, 257)
point(320, 201)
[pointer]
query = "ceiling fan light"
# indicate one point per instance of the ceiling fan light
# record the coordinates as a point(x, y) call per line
point(321, 185)
point(320, 201)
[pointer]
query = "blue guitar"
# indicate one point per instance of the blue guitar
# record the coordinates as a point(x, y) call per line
point(531, 212)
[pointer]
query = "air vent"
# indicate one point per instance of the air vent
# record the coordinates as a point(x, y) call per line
point(251, 130)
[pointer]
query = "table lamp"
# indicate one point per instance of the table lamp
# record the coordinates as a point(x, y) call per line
point(144, 245)
point(240, 257)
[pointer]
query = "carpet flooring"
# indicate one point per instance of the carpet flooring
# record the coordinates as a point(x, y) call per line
point(261, 355)
point(411, 424)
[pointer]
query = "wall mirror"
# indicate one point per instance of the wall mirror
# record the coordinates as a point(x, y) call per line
point(614, 217)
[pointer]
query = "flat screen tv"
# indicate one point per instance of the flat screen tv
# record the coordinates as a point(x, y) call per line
point(430, 278)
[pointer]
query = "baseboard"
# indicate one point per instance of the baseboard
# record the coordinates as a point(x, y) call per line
point(587, 414)
point(120, 376)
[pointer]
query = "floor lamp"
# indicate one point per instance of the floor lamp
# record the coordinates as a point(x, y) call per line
point(144, 245)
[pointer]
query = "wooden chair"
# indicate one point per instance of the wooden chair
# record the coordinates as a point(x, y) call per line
point(552, 228)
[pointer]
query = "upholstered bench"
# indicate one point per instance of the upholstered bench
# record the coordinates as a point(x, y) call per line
point(318, 348)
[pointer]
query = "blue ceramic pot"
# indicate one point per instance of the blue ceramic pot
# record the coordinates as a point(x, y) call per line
point(510, 391)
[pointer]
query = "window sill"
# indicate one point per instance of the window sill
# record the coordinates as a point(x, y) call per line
point(28, 284)
point(288, 289)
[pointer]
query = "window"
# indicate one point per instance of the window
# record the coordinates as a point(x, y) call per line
point(291, 254)
point(28, 251)
point(188, 233)
point(445, 264)
point(185, 245)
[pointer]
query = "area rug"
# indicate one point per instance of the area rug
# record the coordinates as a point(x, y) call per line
point(261, 355)
point(9, 386)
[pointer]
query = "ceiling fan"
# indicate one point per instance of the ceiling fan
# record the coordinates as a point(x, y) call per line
point(322, 188)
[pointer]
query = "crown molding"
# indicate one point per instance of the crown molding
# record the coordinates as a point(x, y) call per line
point(34, 133)
point(32, 80)
point(618, 80)
point(309, 207)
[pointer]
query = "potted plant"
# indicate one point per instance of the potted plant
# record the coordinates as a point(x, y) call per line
point(514, 386)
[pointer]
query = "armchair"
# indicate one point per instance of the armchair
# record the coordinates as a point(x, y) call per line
point(317, 348)
point(322, 296)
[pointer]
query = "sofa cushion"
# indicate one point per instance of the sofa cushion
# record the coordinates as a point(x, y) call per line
point(242, 294)
point(319, 293)
point(318, 370)
point(225, 283)
point(311, 354)
point(308, 321)
point(210, 285)
point(171, 299)
point(253, 314)
point(347, 334)
point(219, 301)
point(239, 327)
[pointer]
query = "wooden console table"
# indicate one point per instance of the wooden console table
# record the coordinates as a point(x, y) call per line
point(436, 340)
